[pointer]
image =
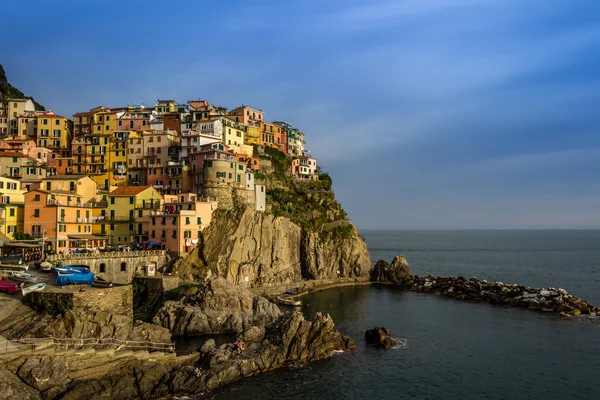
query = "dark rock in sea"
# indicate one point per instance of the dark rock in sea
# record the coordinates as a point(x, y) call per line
point(380, 337)
point(219, 307)
point(397, 272)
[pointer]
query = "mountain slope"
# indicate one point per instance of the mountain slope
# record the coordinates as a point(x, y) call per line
point(8, 91)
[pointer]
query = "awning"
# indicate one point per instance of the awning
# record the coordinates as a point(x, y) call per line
point(22, 245)
point(86, 237)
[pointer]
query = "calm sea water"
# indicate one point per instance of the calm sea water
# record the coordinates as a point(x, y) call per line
point(456, 350)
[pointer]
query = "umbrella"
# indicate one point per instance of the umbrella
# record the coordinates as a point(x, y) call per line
point(152, 243)
point(45, 264)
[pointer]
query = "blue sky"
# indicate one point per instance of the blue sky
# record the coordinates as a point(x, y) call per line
point(428, 114)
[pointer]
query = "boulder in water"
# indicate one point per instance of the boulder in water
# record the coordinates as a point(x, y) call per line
point(397, 272)
point(380, 337)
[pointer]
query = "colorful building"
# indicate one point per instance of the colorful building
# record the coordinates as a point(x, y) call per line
point(305, 167)
point(17, 165)
point(12, 199)
point(180, 222)
point(54, 132)
point(81, 185)
point(247, 115)
point(271, 135)
point(10, 110)
point(127, 213)
point(62, 219)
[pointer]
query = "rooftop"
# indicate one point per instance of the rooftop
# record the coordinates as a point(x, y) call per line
point(128, 190)
point(64, 177)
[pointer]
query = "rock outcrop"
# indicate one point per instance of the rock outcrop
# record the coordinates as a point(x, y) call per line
point(289, 340)
point(95, 314)
point(397, 272)
point(545, 299)
point(380, 337)
point(218, 307)
point(252, 249)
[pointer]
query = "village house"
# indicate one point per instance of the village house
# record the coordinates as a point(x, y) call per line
point(12, 200)
point(127, 213)
point(180, 222)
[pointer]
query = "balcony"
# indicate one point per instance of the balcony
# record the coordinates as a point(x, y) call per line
point(113, 218)
point(148, 205)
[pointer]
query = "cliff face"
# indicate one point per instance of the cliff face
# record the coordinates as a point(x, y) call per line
point(253, 248)
point(8, 91)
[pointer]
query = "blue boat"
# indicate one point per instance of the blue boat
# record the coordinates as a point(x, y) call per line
point(69, 275)
point(22, 276)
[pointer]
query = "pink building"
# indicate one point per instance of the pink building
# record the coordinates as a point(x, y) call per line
point(247, 115)
point(211, 151)
point(305, 167)
point(180, 223)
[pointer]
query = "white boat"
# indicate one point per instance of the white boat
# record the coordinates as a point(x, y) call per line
point(22, 276)
point(33, 288)
point(289, 301)
point(46, 266)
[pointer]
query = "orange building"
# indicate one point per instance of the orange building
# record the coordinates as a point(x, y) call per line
point(270, 135)
point(62, 219)
point(180, 223)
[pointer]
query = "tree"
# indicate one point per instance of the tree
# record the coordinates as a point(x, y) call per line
point(23, 236)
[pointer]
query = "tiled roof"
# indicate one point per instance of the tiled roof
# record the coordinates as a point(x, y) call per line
point(128, 190)
point(64, 177)
point(11, 154)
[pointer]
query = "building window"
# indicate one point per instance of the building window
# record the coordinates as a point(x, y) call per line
point(187, 234)
point(36, 197)
point(102, 267)
point(199, 221)
point(187, 220)
point(131, 200)
point(11, 212)
point(123, 267)
point(112, 200)
point(36, 213)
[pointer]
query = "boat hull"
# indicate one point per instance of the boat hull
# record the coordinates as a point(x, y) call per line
point(34, 288)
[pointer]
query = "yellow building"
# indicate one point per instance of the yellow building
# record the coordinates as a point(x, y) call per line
point(233, 133)
point(76, 184)
point(10, 110)
point(128, 211)
point(54, 132)
point(100, 153)
point(11, 207)
point(165, 106)
point(252, 134)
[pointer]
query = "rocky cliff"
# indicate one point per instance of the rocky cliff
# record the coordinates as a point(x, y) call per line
point(251, 248)
point(219, 307)
point(8, 91)
point(106, 313)
point(289, 340)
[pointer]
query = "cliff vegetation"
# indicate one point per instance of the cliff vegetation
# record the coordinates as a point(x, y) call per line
point(8, 91)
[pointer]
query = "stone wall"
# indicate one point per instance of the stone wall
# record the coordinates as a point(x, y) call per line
point(116, 266)
point(225, 192)
point(115, 300)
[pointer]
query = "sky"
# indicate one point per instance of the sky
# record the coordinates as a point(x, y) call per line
point(437, 114)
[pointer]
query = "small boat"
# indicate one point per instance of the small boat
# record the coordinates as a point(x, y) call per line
point(45, 266)
point(33, 288)
point(15, 267)
point(288, 301)
point(8, 286)
point(22, 276)
point(11, 260)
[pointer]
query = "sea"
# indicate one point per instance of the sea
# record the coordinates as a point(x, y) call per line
point(456, 349)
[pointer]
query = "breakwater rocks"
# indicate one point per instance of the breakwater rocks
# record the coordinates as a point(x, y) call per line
point(218, 307)
point(544, 300)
